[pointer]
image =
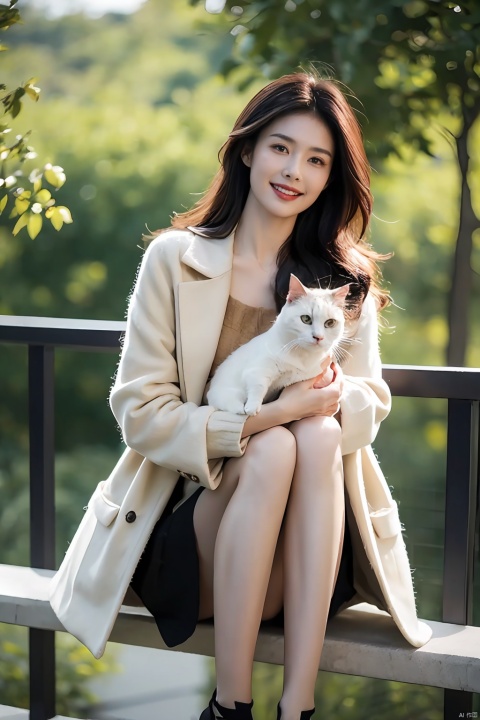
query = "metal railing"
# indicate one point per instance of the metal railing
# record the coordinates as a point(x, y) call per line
point(460, 386)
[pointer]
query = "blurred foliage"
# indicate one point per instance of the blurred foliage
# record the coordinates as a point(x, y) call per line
point(413, 64)
point(133, 108)
point(23, 194)
point(76, 474)
point(423, 55)
point(139, 145)
point(77, 668)
point(132, 127)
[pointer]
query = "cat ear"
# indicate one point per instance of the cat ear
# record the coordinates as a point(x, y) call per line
point(295, 289)
point(339, 295)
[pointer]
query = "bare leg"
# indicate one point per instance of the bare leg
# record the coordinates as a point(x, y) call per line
point(245, 548)
point(313, 538)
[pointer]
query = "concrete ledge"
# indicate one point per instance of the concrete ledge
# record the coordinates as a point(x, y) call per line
point(360, 641)
point(12, 713)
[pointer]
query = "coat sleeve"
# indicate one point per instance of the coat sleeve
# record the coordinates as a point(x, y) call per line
point(366, 398)
point(145, 398)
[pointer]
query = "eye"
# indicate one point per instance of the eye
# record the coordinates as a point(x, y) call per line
point(330, 323)
point(318, 161)
point(279, 147)
point(306, 319)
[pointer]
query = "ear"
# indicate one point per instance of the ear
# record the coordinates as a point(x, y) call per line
point(246, 156)
point(295, 289)
point(339, 295)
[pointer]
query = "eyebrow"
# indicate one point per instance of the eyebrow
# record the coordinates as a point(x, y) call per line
point(291, 140)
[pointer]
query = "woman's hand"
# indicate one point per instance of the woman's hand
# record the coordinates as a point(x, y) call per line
point(327, 374)
point(318, 396)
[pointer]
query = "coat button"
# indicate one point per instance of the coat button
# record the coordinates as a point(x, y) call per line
point(131, 516)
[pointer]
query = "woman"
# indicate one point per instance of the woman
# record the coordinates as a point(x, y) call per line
point(264, 538)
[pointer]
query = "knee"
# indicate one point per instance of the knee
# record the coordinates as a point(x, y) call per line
point(275, 443)
point(271, 455)
point(321, 432)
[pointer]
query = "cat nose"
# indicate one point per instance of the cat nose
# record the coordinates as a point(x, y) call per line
point(318, 338)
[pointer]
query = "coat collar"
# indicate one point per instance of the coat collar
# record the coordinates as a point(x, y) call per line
point(201, 309)
point(211, 257)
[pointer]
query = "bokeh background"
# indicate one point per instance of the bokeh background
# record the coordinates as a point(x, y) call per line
point(137, 98)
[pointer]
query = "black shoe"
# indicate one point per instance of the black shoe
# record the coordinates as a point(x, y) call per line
point(214, 711)
point(304, 715)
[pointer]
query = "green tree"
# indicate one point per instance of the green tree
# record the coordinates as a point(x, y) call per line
point(409, 61)
point(138, 126)
point(139, 142)
point(76, 666)
point(24, 194)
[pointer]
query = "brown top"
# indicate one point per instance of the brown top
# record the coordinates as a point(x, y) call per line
point(241, 324)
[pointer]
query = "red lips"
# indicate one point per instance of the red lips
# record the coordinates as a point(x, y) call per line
point(285, 196)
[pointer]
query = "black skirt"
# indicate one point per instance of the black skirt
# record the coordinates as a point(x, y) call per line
point(167, 575)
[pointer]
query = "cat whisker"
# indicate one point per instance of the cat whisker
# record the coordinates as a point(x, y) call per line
point(285, 348)
point(348, 339)
point(340, 351)
point(344, 344)
point(341, 354)
point(293, 344)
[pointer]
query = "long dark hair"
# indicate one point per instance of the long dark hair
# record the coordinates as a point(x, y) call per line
point(327, 246)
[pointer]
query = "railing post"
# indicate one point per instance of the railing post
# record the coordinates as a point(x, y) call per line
point(460, 508)
point(42, 519)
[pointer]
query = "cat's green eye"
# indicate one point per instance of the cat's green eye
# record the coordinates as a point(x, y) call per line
point(306, 319)
point(330, 323)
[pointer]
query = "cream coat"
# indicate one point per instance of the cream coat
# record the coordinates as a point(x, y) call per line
point(174, 321)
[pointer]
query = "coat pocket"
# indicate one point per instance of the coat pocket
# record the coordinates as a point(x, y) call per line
point(104, 509)
point(386, 522)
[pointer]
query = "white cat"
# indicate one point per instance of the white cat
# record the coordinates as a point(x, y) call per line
point(308, 328)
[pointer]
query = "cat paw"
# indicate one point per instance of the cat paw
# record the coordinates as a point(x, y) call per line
point(252, 408)
point(236, 406)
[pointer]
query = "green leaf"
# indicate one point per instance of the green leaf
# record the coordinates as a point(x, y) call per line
point(32, 90)
point(43, 196)
point(3, 203)
point(65, 214)
point(13, 103)
point(22, 204)
point(54, 175)
point(16, 107)
point(34, 225)
point(55, 217)
point(20, 224)
point(57, 222)
point(59, 215)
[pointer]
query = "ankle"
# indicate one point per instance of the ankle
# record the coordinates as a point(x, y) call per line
point(286, 712)
point(236, 710)
point(228, 703)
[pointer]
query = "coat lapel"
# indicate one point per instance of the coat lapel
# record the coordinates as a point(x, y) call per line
point(201, 306)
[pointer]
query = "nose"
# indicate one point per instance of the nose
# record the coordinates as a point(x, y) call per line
point(292, 171)
point(318, 338)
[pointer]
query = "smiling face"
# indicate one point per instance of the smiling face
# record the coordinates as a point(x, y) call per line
point(290, 164)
